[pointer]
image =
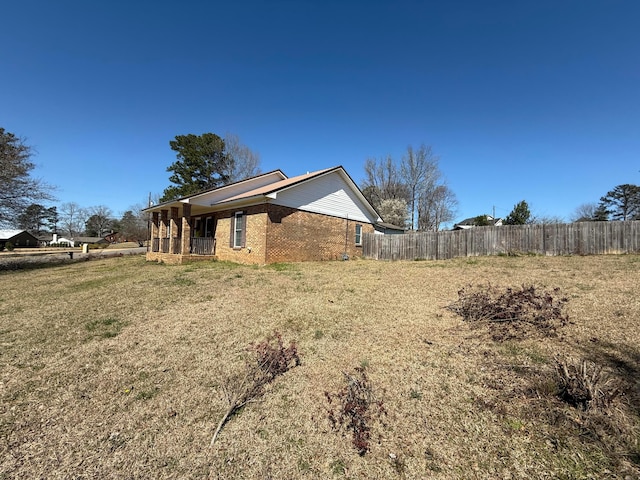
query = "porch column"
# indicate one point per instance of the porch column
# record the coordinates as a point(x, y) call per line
point(173, 247)
point(155, 232)
point(186, 229)
point(164, 226)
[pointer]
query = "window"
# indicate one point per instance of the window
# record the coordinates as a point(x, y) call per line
point(238, 230)
point(208, 229)
point(358, 234)
point(197, 227)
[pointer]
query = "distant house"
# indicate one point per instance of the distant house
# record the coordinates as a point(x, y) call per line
point(388, 228)
point(17, 238)
point(269, 218)
point(92, 240)
point(473, 222)
point(77, 241)
point(56, 240)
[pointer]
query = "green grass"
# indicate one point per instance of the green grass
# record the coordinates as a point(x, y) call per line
point(104, 328)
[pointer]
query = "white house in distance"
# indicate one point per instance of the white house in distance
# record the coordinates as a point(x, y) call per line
point(468, 223)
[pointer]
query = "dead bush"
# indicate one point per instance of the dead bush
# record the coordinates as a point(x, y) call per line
point(584, 385)
point(356, 407)
point(512, 312)
point(273, 358)
point(267, 360)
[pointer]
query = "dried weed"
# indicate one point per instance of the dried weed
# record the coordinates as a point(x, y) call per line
point(357, 406)
point(271, 358)
point(512, 312)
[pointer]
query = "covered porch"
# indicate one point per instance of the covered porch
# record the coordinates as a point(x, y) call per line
point(178, 237)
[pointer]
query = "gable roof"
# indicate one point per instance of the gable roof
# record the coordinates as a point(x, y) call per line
point(225, 190)
point(268, 188)
point(7, 234)
point(471, 222)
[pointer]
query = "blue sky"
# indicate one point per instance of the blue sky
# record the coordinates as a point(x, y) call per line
point(534, 100)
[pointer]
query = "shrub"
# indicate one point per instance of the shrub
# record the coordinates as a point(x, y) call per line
point(273, 358)
point(584, 385)
point(9, 246)
point(356, 407)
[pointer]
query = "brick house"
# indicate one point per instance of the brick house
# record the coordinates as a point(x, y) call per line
point(265, 219)
point(17, 238)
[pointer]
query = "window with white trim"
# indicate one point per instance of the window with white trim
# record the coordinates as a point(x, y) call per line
point(358, 234)
point(238, 229)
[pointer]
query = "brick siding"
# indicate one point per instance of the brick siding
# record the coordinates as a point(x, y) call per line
point(280, 234)
point(297, 236)
point(283, 234)
point(255, 244)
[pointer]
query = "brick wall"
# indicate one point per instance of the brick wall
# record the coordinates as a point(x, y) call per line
point(282, 234)
point(255, 244)
point(296, 236)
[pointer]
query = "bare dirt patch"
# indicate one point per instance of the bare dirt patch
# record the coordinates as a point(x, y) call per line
point(116, 368)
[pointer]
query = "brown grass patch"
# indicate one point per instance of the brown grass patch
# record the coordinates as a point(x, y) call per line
point(115, 369)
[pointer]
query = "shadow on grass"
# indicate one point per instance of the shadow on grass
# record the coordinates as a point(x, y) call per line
point(623, 360)
point(21, 265)
point(42, 263)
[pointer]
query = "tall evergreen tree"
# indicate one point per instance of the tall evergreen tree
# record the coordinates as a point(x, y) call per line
point(520, 215)
point(622, 203)
point(202, 163)
point(34, 218)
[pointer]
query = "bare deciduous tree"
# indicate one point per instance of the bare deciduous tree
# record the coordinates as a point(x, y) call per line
point(419, 172)
point(546, 219)
point(418, 181)
point(243, 163)
point(17, 188)
point(99, 221)
point(436, 206)
point(72, 218)
point(382, 181)
point(585, 212)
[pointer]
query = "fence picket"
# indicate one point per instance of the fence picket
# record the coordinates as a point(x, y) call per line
point(584, 238)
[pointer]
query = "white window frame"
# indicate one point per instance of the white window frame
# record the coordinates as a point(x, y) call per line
point(358, 235)
point(237, 232)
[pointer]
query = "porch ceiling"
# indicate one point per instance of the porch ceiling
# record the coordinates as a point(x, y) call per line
point(198, 210)
point(195, 208)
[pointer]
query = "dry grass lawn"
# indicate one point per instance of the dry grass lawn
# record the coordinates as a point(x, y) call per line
point(114, 369)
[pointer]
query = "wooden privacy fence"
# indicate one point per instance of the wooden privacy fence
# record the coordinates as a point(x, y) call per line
point(583, 238)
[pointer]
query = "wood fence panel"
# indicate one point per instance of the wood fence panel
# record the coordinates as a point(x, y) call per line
point(584, 238)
